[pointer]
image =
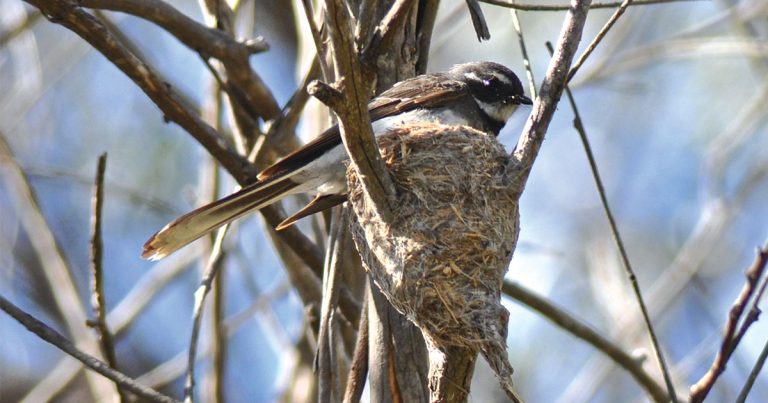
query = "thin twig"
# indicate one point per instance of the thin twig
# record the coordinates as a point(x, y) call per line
point(173, 368)
point(732, 335)
point(598, 38)
point(753, 374)
point(524, 52)
point(118, 319)
point(210, 40)
point(243, 113)
point(219, 339)
point(579, 126)
point(97, 273)
point(210, 179)
point(68, 14)
point(285, 125)
point(566, 321)
point(320, 46)
point(359, 368)
point(214, 42)
point(55, 338)
point(327, 376)
point(551, 89)
point(545, 7)
point(212, 269)
point(56, 270)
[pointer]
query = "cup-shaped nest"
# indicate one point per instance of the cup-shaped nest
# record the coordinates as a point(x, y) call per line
point(442, 257)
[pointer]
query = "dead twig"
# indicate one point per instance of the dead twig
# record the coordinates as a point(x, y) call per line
point(579, 126)
point(215, 261)
point(733, 332)
point(70, 15)
point(551, 89)
point(56, 270)
point(524, 52)
point(55, 338)
point(547, 7)
point(753, 374)
point(97, 273)
point(598, 38)
point(583, 331)
point(359, 367)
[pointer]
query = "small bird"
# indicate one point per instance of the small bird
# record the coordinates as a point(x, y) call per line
point(482, 95)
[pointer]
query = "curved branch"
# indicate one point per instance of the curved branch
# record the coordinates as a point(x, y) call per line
point(564, 320)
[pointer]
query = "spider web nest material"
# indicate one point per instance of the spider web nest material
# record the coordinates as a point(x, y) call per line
point(442, 258)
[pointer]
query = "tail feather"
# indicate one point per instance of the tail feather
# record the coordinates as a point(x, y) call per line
point(199, 222)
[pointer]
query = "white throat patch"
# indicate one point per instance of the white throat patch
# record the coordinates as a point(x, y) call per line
point(499, 112)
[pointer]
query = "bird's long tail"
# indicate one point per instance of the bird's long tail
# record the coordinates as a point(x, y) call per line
point(199, 222)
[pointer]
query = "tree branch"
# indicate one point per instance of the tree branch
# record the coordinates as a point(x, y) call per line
point(97, 284)
point(352, 109)
point(70, 15)
point(546, 7)
point(733, 334)
point(551, 89)
point(55, 338)
point(572, 325)
point(208, 41)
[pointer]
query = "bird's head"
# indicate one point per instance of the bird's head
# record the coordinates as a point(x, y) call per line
point(496, 89)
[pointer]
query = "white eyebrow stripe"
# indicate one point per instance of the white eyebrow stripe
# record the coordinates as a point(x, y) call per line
point(471, 75)
point(501, 77)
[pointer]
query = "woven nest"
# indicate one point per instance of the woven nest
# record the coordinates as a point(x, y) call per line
point(442, 258)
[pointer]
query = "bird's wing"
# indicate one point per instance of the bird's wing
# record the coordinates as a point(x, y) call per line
point(426, 91)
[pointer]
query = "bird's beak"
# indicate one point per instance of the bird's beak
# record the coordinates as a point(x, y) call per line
point(523, 100)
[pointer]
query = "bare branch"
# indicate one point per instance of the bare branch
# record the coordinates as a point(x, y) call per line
point(546, 7)
point(359, 368)
point(753, 374)
point(524, 52)
point(97, 283)
point(579, 126)
point(572, 325)
point(598, 38)
point(208, 41)
point(551, 89)
point(68, 14)
point(215, 262)
point(211, 41)
point(354, 121)
point(55, 268)
point(732, 335)
point(55, 338)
